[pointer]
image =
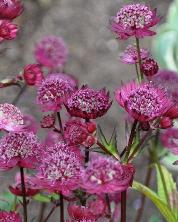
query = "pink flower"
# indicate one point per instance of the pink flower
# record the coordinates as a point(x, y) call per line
point(51, 52)
point(33, 74)
point(52, 138)
point(149, 67)
point(10, 9)
point(48, 121)
point(88, 103)
point(80, 214)
point(134, 20)
point(9, 217)
point(8, 30)
point(97, 207)
point(144, 102)
point(20, 149)
point(169, 139)
point(77, 132)
point(11, 118)
point(30, 124)
point(54, 91)
point(105, 175)
point(130, 55)
point(59, 170)
point(31, 188)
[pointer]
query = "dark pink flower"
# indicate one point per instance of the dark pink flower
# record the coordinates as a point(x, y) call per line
point(77, 132)
point(20, 149)
point(149, 67)
point(8, 30)
point(169, 139)
point(11, 119)
point(33, 74)
point(165, 122)
point(31, 188)
point(134, 20)
point(80, 214)
point(59, 170)
point(51, 52)
point(10, 9)
point(88, 103)
point(97, 207)
point(144, 102)
point(105, 175)
point(9, 217)
point(54, 91)
point(168, 80)
point(48, 121)
point(130, 55)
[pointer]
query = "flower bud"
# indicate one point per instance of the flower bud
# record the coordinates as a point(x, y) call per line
point(149, 67)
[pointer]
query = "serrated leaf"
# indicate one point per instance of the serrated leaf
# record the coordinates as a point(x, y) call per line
point(163, 208)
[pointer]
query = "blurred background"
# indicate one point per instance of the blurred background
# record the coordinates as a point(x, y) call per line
point(93, 59)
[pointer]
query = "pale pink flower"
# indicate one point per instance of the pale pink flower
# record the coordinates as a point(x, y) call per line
point(9, 217)
point(59, 170)
point(88, 103)
point(11, 118)
point(54, 91)
point(51, 52)
point(106, 175)
point(134, 20)
point(10, 9)
point(19, 149)
point(144, 102)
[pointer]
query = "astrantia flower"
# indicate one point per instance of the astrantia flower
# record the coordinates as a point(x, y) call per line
point(169, 139)
point(149, 67)
point(11, 119)
point(10, 9)
point(77, 132)
point(31, 188)
point(144, 102)
point(33, 74)
point(169, 81)
point(54, 91)
point(88, 103)
point(130, 55)
point(97, 207)
point(80, 214)
point(134, 20)
point(60, 168)
point(8, 30)
point(20, 149)
point(51, 52)
point(48, 121)
point(105, 175)
point(9, 217)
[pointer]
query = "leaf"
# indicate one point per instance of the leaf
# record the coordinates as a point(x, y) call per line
point(45, 198)
point(163, 208)
point(155, 218)
point(7, 201)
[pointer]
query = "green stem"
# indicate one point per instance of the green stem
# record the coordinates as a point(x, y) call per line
point(23, 194)
point(139, 58)
point(50, 213)
point(137, 71)
point(23, 89)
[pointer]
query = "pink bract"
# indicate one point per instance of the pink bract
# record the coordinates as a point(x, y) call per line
point(8, 30)
point(54, 91)
point(130, 55)
point(19, 149)
point(10, 9)
point(9, 217)
point(59, 170)
point(105, 175)
point(51, 52)
point(88, 103)
point(11, 118)
point(144, 102)
point(134, 20)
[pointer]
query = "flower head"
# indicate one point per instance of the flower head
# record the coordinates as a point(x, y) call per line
point(149, 67)
point(8, 30)
point(105, 175)
point(11, 119)
point(59, 170)
point(134, 20)
point(20, 149)
point(88, 103)
point(130, 55)
point(10, 9)
point(48, 121)
point(144, 102)
point(54, 91)
point(9, 217)
point(51, 52)
point(33, 74)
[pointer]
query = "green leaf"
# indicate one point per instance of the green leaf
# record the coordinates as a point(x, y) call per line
point(155, 218)
point(45, 198)
point(163, 208)
point(7, 201)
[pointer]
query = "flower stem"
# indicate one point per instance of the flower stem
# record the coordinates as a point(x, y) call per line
point(50, 213)
point(23, 89)
point(139, 59)
point(61, 208)
point(123, 206)
point(109, 208)
point(24, 194)
point(60, 123)
point(42, 211)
